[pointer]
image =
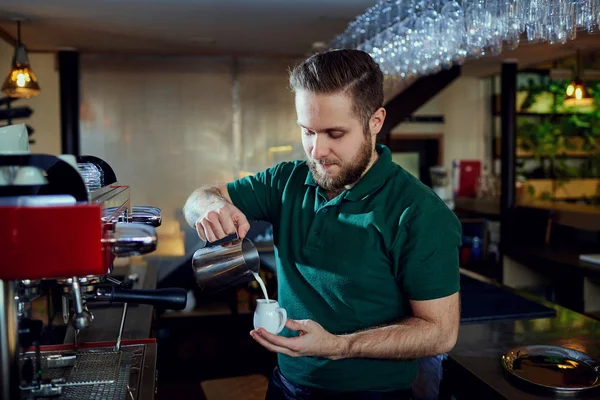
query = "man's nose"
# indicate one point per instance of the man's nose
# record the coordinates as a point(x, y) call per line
point(321, 148)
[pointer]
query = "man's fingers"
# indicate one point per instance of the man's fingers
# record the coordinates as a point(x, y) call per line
point(243, 226)
point(212, 220)
point(226, 221)
point(272, 347)
point(216, 225)
point(294, 325)
point(210, 235)
point(281, 341)
point(299, 325)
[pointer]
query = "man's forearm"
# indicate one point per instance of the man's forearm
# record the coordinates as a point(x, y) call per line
point(199, 202)
point(411, 338)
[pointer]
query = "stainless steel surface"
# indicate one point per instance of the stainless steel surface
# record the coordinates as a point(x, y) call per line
point(220, 266)
point(83, 281)
point(9, 346)
point(146, 215)
point(61, 360)
point(146, 384)
point(81, 319)
point(120, 333)
point(114, 199)
point(131, 239)
point(91, 367)
point(46, 390)
point(65, 307)
point(136, 364)
point(557, 369)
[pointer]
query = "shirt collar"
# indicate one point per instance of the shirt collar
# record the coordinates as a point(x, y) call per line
point(371, 181)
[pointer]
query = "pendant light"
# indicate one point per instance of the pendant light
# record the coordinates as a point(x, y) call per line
point(577, 93)
point(21, 81)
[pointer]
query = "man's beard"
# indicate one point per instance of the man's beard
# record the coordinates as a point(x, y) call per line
point(348, 173)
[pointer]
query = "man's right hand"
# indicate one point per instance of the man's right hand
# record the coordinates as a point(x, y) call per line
point(220, 220)
point(214, 216)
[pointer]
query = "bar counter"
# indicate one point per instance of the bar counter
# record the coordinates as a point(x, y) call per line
point(473, 369)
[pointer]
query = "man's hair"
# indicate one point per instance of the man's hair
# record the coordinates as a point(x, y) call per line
point(352, 72)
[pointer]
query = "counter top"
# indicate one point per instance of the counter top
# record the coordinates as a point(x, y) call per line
point(474, 363)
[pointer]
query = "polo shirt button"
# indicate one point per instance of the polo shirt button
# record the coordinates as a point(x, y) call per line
point(324, 211)
point(316, 233)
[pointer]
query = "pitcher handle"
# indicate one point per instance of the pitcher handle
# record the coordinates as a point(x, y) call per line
point(282, 320)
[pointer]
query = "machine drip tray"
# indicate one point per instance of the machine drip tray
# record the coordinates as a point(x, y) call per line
point(89, 374)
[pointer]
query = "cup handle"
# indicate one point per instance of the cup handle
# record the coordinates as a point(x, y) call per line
point(282, 320)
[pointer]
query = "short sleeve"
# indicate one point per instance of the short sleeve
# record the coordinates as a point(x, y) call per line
point(259, 196)
point(426, 252)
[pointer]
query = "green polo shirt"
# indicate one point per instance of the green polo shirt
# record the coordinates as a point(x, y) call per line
point(353, 262)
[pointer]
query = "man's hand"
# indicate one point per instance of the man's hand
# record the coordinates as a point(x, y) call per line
point(314, 341)
point(214, 216)
point(221, 219)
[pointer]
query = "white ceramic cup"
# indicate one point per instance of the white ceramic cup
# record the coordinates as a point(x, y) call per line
point(269, 316)
point(28, 175)
point(14, 139)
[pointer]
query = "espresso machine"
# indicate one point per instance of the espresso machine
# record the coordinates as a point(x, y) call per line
point(60, 234)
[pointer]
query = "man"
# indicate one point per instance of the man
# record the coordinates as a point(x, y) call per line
point(367, 256)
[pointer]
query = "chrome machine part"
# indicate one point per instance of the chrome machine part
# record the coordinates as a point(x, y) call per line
point(9, 343)
point(145, 215)
point(132, 239)
point(120, 334)
point(81, 319)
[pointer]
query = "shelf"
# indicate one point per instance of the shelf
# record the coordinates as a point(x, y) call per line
point(561, 190)
point(575, 142)
point(568, 153)
point(564, 207)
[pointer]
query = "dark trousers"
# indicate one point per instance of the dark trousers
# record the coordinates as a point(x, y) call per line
point(282, 389)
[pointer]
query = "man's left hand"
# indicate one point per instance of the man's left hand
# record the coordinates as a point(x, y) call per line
point(313, 340)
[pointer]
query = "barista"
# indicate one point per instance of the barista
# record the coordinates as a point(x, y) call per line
point(367, 256)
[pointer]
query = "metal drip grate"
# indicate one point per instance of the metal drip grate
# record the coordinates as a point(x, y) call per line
point(95, 375)
point(116, 390)
point(90, 368)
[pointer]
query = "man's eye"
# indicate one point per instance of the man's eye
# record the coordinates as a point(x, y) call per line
point(307, 132)
point(336, 135)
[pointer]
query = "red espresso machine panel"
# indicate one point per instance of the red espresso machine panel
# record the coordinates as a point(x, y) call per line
point(53, 241)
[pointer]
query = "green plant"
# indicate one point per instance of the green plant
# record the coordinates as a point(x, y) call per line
point(533, 89)
point(547, 138)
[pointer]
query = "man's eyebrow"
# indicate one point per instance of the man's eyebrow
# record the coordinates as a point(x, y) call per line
point(332, 129)
point(337, 129)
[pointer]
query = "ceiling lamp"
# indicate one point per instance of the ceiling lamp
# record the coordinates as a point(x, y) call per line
point(578, 94)
point(21, 81)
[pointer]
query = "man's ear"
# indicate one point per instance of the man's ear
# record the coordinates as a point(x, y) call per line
point(376, 121)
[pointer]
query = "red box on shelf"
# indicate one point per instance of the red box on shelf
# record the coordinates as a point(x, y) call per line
point(466, 177)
